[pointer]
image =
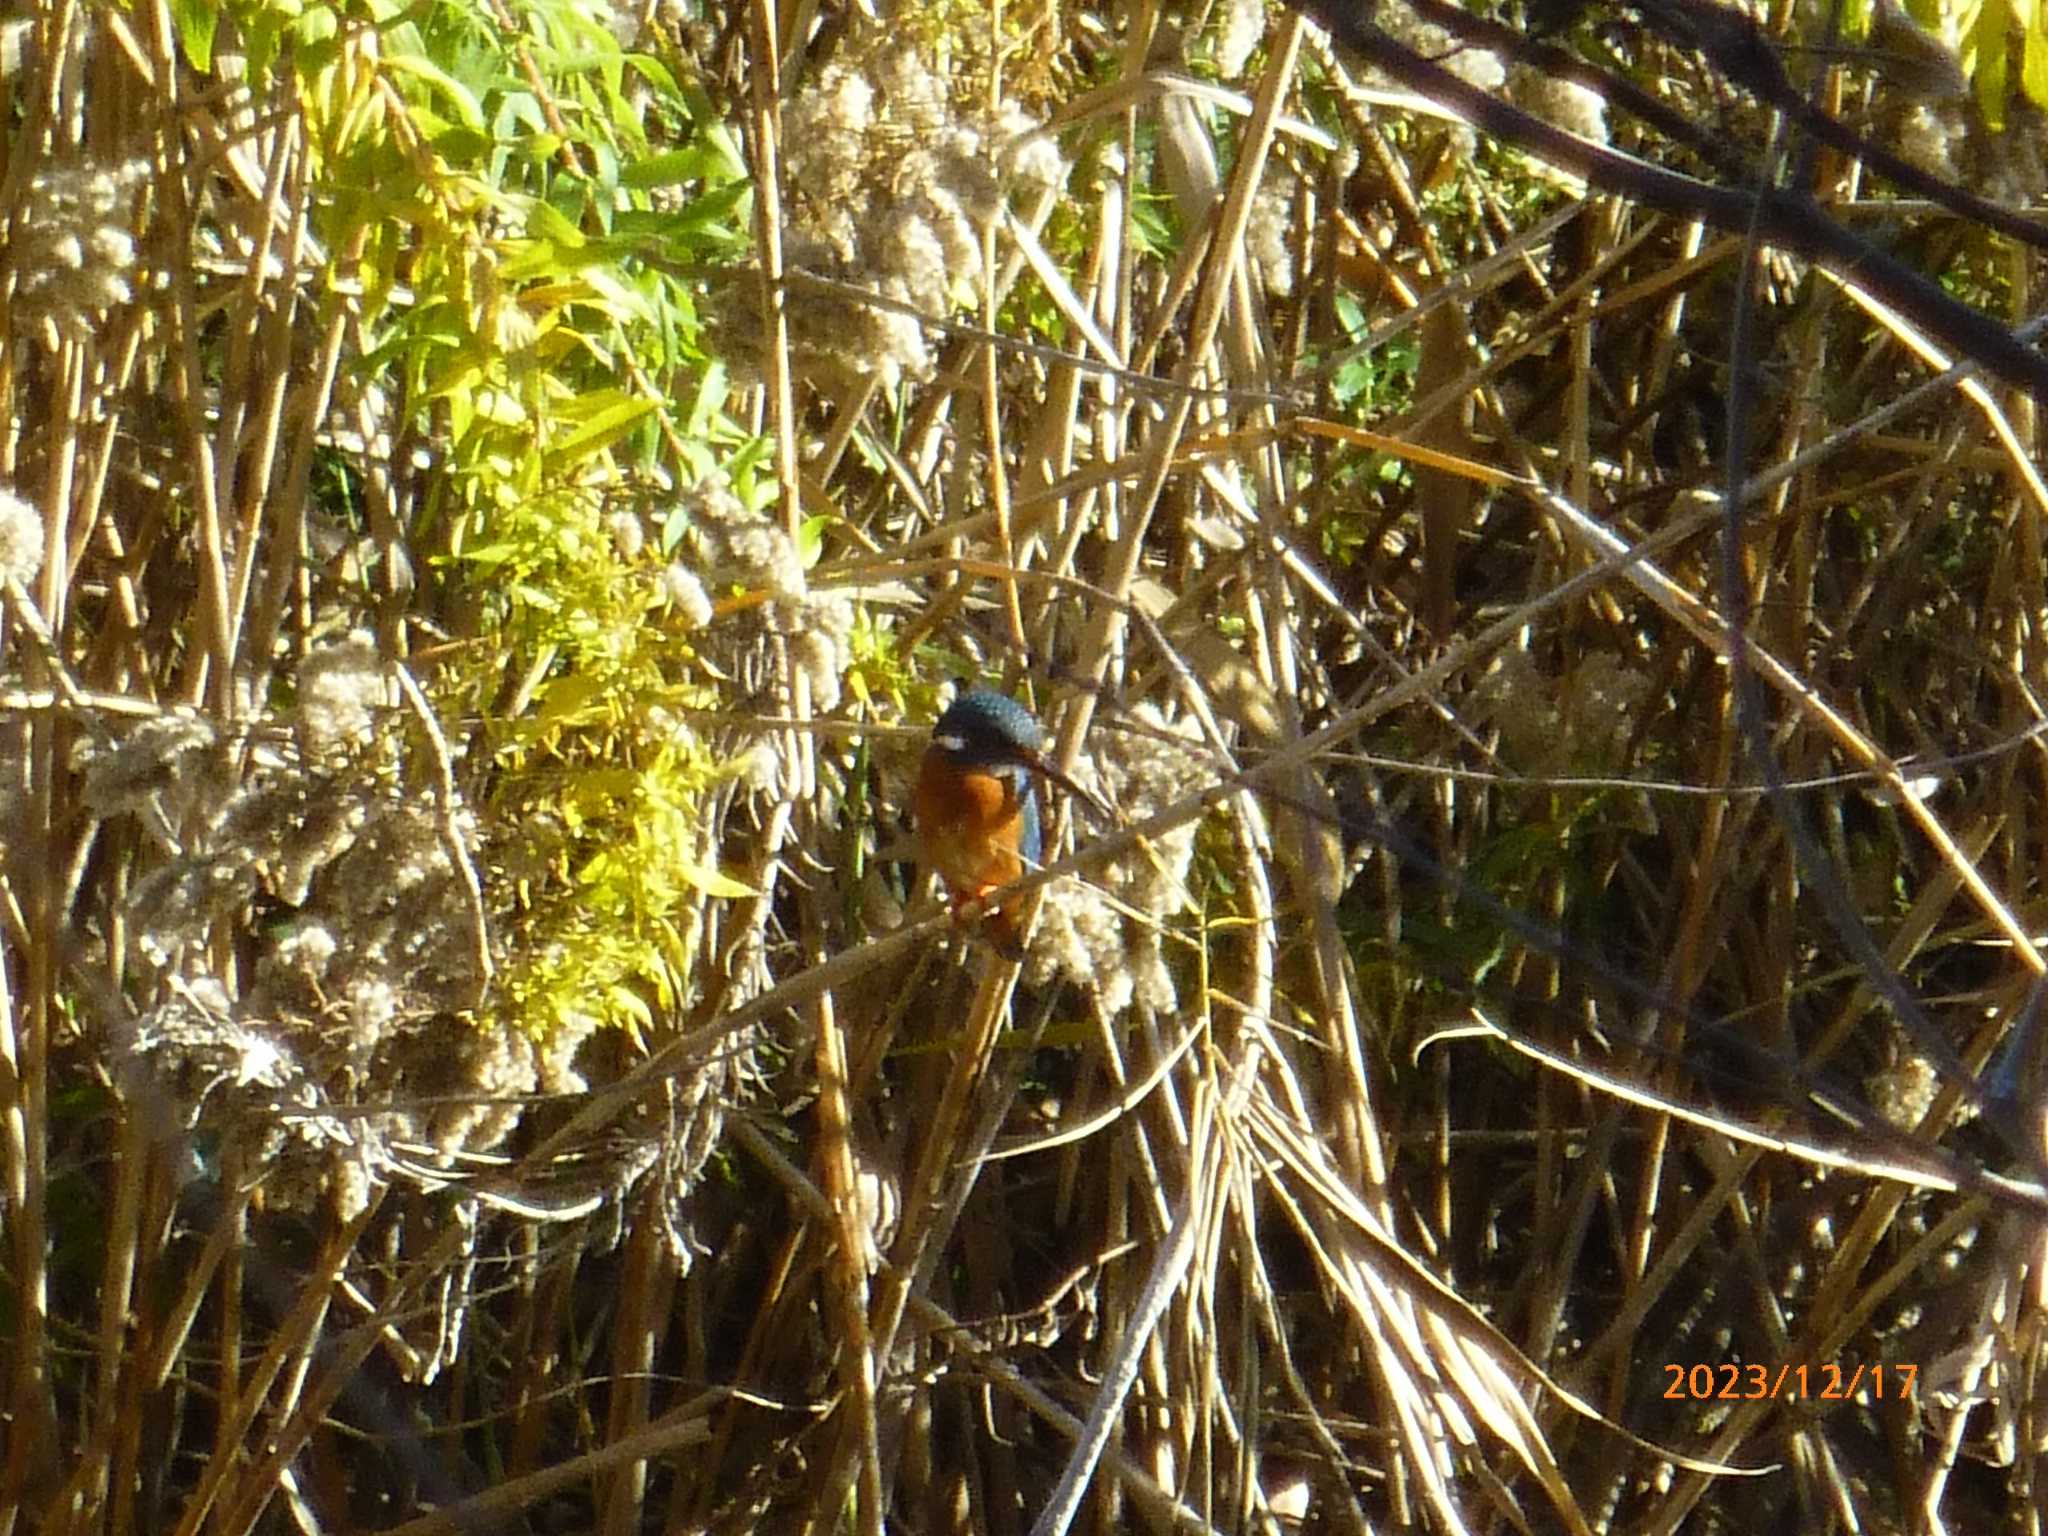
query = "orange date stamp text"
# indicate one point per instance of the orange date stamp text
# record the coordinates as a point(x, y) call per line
point(1829, 1383)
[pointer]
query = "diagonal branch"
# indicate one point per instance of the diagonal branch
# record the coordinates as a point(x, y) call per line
point(1789, 220)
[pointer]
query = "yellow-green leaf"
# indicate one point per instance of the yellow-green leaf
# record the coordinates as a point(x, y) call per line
point(599, 430)
point(713, 882)
point(451, 88)
point(196, 21)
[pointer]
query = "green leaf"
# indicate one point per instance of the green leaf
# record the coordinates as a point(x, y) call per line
point(519, 117)
point(465, 104)
point(1350, 314)
point(617, 415)
point(655, 73)
point(196, 21)
point(488, 555)
point(625, 1000)
point(810, 538)
point(549, 223)
point(2033, 49)
point(713, 882)
point(722, 208)
point(694, 162)
point(460, 145)
point(569, 696)
point(674, 526)
point(712, 391)
point(1988, 76)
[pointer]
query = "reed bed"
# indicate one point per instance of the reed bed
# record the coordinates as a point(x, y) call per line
point(494, 501)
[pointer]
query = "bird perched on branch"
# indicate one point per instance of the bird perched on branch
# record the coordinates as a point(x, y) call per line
point(978, 820)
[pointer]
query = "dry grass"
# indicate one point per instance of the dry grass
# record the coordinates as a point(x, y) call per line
point(1461, 1032)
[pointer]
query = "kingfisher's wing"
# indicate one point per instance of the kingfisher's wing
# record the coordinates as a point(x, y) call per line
point(1030, 829)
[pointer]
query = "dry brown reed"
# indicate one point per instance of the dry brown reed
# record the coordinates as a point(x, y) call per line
point(1442, 1101)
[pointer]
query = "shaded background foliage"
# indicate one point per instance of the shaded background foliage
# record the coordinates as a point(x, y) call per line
point(493, 499)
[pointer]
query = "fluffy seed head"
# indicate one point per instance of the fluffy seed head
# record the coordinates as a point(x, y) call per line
point(21, 539)
point(341, 688)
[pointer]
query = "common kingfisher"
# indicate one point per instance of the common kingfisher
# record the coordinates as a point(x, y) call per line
point(977, 810)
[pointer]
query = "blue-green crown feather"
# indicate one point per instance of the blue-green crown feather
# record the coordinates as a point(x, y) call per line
point(989, 729)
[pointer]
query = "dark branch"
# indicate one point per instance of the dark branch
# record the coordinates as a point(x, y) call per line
point(1788, 220)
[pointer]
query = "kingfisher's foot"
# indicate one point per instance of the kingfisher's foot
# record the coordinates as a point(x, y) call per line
point(996, 924)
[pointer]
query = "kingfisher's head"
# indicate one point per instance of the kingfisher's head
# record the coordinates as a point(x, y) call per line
point(986, 729)
point(988, 732)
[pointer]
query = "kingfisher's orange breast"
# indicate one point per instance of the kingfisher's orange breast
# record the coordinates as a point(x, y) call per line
point(970, 823)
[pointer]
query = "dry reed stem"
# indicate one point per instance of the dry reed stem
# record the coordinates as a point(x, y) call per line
point(1389, 1330)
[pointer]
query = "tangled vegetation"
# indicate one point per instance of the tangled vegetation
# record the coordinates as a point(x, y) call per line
point(1529, 519)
